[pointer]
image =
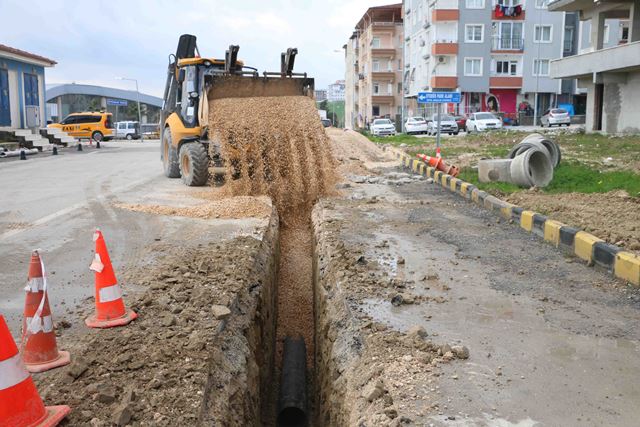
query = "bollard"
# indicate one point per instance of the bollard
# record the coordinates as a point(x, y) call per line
point(23, 155)
point(97, 144)
point(79, 146)
point(55, 151)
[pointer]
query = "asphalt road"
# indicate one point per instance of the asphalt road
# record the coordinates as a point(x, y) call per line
point(54, 203)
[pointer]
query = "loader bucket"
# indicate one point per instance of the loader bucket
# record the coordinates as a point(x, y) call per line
point(234, 86)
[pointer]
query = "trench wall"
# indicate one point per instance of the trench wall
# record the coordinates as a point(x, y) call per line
point(241, 364)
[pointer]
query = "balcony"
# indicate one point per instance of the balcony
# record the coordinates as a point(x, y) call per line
point(619, 59)
point(507, 44)
point(443, 15)
point(512, 17)
point(505, 82)
point(382, 98)
point(444, 49)
point(383, 51)
point(383, 75)
point(444, 82)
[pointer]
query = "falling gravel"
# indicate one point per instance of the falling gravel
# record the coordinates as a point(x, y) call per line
point(276, 146)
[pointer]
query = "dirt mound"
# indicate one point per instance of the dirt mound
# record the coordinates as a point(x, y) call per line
point(613, 216)
point(274, 146)
point(154, 371)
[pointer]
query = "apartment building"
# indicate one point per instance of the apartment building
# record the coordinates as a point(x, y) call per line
point(320, 95)
point(335, 91)
point(373, 56)
point(608, 64)
point(497, 53)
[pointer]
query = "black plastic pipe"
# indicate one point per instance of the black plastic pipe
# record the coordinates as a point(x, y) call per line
point(292, 400)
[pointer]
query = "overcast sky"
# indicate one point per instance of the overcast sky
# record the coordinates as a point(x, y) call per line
point(96, 41)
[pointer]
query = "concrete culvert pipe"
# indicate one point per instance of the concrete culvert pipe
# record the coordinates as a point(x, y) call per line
point(292, 399)
point(494, 170)
point(532, 168)
point(536, 140)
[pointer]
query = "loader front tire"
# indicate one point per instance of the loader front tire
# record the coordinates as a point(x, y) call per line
point(169, 157)
point(194, 164)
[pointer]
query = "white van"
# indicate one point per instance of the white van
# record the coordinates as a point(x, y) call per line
point(129, 130)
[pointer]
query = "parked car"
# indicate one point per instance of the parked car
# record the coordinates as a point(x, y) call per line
point(326, 123)
point(94, 125)
point(447, 125)
point(555, 116)
point(479, 122)
point(415, 125)
point(383, 127)
point(460, 121)
point(129, 130)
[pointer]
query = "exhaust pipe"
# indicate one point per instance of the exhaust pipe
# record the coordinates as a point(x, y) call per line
point(292, 400)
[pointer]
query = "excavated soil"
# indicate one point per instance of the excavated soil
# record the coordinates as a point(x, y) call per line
point(614, 216)
point(205, 309)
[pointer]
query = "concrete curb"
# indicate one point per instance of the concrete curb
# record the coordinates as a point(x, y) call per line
point(591, 249)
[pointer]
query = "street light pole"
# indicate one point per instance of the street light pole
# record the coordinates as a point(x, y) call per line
point(138, 101)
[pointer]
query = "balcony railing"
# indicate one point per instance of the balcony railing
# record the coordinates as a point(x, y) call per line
point(508, 43)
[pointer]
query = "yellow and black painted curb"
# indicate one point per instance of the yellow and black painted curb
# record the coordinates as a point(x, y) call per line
point(594, 251)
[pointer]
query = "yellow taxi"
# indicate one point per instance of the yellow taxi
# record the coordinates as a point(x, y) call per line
point(95, 125)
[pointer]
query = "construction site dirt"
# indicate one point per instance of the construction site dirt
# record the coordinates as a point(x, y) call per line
point(425, 310)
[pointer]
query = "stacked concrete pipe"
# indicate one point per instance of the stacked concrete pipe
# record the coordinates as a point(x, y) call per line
point(530, 163)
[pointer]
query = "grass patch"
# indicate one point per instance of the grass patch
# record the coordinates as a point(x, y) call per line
point(396, 140)
point(579, 178)
point(569, 177)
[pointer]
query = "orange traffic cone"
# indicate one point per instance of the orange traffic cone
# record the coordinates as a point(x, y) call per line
point(439, 163)
point(110, 309)
point(20, 403)
point(39, 350)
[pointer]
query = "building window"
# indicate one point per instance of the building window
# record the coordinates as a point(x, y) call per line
point(509, 37)
point(474, 33)
point(541, 4)
point(475, 4)
point(624, 32)
point(508, 68)
point(375, 110)
point(399, 64)
point(389, 65)
point(31, 89)
point(568, 39)
point(540, 67)
point(399, 88)
point(606, 34)
point(375, 42)
point(375, 65)
point(389, 89)
point(376, 88)
point(472, 66)
point(542, 33)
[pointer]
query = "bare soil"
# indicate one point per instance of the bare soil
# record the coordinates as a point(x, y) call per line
point(154, 372)
point(613, 216)
point(222, 208)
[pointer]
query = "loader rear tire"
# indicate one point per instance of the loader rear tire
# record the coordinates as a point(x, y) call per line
point(169, 157)
point(194, 164)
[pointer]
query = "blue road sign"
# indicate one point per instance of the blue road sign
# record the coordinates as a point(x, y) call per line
point(438, 97)
point(118, 102)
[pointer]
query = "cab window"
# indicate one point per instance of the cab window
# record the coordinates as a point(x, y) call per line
point(69, 120)
point(131, 126)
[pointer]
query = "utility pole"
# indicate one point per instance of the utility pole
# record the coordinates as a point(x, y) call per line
point(138, 101)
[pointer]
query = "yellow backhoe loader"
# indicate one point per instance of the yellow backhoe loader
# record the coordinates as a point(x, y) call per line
point(192, 81)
